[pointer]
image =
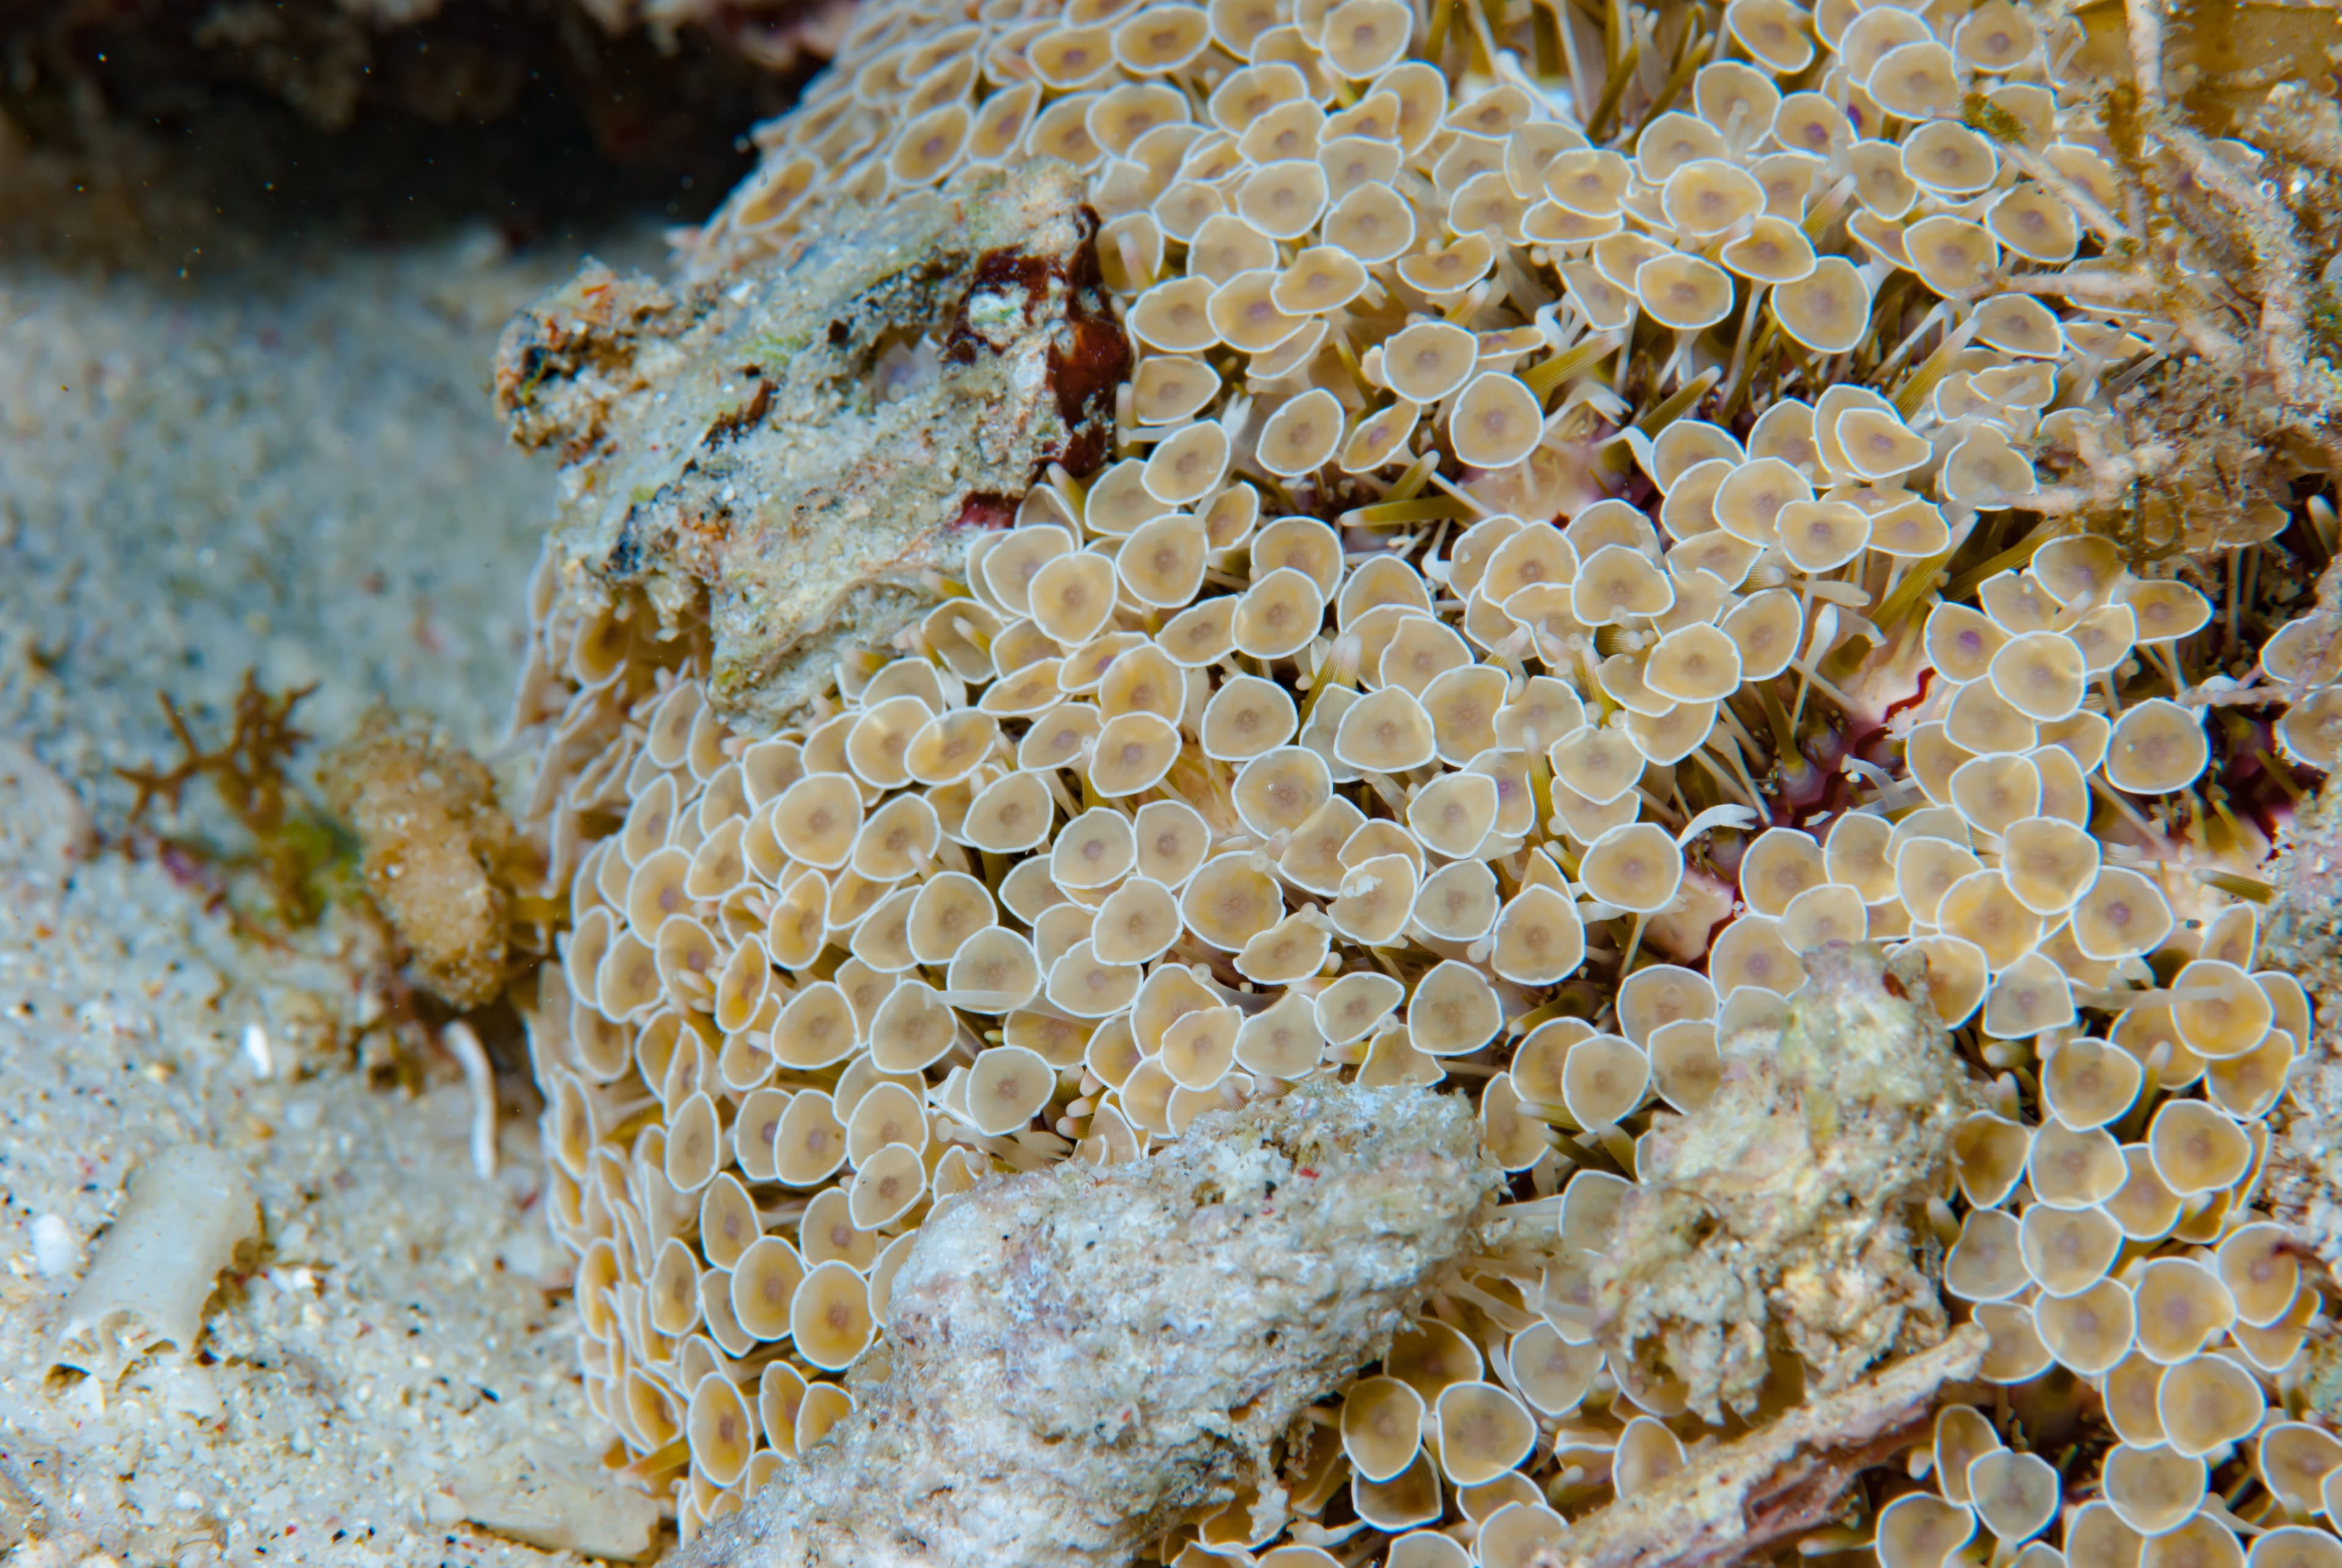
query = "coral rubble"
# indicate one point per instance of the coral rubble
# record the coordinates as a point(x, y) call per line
point(1784, 1481)
point(1614, 509)
point(2304, 939)
point(1083, 1357)
point(45, 826)
point(534, 1496)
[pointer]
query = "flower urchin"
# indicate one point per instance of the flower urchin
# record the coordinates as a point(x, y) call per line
point(1573, 547)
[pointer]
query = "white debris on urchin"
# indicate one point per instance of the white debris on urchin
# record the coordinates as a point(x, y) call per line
point(1561, 441)
point(1791, 1209)
point(1081, 1358)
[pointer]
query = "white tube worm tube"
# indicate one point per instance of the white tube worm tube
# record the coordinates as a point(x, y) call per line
point(190, 1207)
point(480, 1084)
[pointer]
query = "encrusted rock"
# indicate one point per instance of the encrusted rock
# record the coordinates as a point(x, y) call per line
point(1786, 1215)
point(1082, 1357)
point(806, 445)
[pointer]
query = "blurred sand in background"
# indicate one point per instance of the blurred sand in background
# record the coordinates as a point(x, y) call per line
point(281, 461)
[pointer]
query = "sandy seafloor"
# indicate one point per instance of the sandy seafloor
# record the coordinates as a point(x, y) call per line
point(289, 466)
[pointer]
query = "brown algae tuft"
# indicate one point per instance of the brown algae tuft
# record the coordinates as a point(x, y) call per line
point(296, 851)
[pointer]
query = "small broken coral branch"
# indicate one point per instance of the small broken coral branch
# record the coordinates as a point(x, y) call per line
point(480, 1085)
point(1085, 1356)
point(1736, 1501)
point(425, 812)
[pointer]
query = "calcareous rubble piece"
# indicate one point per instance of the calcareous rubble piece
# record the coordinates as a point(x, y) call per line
point(1788, 1213)
point(190, 1208)
point(45, 829)
point(807, 446)
point(2305, 916)
point(1083, 1356)
point(551, 1500)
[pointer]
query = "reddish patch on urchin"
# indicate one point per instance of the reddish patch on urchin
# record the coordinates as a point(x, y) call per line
point(1089, 353)
point(2240, 738)
point(1090, 359)
point(983, 509)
